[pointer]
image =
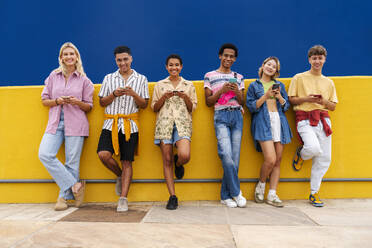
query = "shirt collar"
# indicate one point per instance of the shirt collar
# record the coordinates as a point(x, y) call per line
point(134, 74)
point(168, 81)
point(259, 81)
point(76, 73)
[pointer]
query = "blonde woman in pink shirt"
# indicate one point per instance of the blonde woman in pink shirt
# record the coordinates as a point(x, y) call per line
point(69, 95)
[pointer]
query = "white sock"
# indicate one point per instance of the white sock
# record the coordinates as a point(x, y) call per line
point(272, 192)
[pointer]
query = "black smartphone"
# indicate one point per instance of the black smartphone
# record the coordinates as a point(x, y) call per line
point(275, 86)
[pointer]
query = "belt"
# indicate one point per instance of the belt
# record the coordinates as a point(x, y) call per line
point(230, 109)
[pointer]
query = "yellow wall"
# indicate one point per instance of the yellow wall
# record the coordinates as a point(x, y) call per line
point(23, 121)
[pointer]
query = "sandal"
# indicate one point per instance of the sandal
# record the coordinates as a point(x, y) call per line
point(297, 160)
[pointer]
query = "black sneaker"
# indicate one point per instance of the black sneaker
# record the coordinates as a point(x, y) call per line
point(179, 171)
point(172, 203)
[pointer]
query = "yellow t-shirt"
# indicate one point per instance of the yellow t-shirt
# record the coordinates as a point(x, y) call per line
point(305, 84)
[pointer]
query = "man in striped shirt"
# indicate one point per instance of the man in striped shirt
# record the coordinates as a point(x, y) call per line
point(122, 94)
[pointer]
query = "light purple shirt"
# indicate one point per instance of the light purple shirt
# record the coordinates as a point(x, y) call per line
point(76, 122)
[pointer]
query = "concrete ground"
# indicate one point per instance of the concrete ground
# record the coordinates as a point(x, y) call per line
point(341, 223)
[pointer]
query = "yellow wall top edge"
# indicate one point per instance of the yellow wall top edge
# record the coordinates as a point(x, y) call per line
point(195, 81)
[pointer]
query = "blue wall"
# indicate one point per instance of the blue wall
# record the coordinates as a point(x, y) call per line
point(33, 31)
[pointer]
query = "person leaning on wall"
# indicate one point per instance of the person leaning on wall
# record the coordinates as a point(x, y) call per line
point(312, 95)
point(174, 100)
point(267, 101)
point(122, 93)
point(69, 95)
point(224, 90)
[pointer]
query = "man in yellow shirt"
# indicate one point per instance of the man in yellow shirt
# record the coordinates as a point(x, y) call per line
point(312, 95)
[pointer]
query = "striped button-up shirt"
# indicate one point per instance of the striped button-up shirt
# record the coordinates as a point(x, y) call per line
point(123, 104)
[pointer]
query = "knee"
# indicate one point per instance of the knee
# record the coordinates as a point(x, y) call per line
point(270, 161)
point(324, 160)
point(278, 160)
point(312, 149)
point(104, 156)
point(224, 154)
point(183, 157)
point(127, 165)
point(45, 157)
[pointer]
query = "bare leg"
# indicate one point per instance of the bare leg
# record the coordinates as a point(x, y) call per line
point(269, 154)
point(167, 155)
point(275, 173)
point(183, 151)
point(126, 177)
point(76, 187)
point(109, 162)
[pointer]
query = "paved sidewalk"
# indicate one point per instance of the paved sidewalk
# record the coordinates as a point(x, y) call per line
point(341, 223)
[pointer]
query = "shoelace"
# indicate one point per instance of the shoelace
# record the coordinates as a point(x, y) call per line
point(316, 198)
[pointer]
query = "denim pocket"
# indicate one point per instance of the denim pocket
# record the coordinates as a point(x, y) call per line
point(219, 116)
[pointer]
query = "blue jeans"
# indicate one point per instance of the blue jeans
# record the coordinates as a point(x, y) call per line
point(228, 125)
point(64, 175)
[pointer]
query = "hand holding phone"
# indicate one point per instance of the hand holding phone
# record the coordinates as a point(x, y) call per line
point(275, 86)
point(233, 81)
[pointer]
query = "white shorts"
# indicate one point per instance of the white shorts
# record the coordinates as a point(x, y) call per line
point(275, 126)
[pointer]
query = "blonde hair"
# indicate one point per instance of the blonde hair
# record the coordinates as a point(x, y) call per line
point(277, 73)
point(79, 64)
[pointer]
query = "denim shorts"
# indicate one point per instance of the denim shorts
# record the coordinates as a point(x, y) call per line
point(175, 138)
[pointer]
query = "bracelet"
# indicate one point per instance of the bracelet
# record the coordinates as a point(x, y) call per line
point(114, 94)
point(56, 101)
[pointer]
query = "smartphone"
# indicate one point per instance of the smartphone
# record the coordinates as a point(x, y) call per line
point(233, 80)
point(275, 86)
point(65, 97)
point(318, 96)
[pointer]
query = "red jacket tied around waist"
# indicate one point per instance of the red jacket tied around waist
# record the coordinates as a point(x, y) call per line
point(314, 117)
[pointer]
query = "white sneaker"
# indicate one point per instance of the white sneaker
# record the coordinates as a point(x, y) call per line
point(122, 205)
point(240, 200)
point(118, 186)
point(259, 194)
point(274, 201)
point(230, 203)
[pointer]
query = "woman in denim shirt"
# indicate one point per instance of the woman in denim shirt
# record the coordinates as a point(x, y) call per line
point(267, 101)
